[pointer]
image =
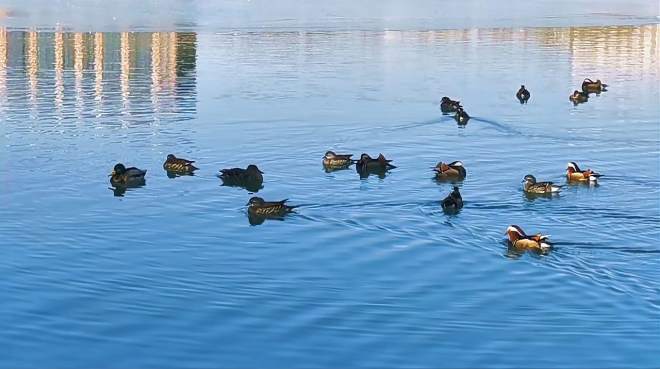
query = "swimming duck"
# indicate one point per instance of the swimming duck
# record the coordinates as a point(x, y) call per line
point(574, 173)
point(519, 239)
point(337, 161)
point(251, 178)
point(453, 201)
point(522, 94)
point(590, 86)
point(451, 171)
point(578, 97)
point(448, 105)
point(461, 116)
point(531, 186)
point(367, 163)
point(178, 165)
point(257, 206)
point(126, 177)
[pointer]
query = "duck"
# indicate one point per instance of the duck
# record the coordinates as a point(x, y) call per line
point(575, 174)
point(453, 201)
point(337, 161)
point(523, 94)
point(448, 105)
point(251, 178)
point(590, 86)
point(367, 163)
point(125, 177)
point(461, 116)
point(179, 165)
point(531, 186)
point(452, 171)
point(259, 207)
point(519, 239)
point(578, 97)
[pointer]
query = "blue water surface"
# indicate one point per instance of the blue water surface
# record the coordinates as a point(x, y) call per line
point(368, 272)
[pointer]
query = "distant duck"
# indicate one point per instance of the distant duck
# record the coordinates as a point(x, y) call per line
point(531, 186)
point(367, 163)
point(453, 201)
point(578, 97)
point(522, 94)
point(590, 86)
point(451, 171)
point(519, 239)
point(337, 161)
point(461, 116)
point(179, 165)
point(127, 177)
point(257, 206)
point(448, 105)
point(575, 174)
point(250, 178)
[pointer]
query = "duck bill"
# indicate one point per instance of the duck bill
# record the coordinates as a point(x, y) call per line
point(112, 174)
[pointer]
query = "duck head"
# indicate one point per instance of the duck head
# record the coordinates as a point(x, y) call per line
point(119, 169)
point(171, 157)
point(522, 87)
point(252, 169)
point(255, 201)
point(529, 179)
point(329, 155)
point(365, 157)
point(515, 233)
point(441, 167)
point(445, 99)
point(455, 193)
point(572, 167)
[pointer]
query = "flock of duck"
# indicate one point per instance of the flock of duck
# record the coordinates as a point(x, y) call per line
point(251, 178)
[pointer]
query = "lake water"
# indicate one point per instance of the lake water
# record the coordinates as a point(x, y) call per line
point(368, 272)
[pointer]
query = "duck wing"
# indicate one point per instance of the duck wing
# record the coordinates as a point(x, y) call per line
point(232, 173)
point(134, 172)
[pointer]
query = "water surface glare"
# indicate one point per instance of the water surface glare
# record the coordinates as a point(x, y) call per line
point(368, 272)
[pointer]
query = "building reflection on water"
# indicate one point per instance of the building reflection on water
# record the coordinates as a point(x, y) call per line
point(98, 74)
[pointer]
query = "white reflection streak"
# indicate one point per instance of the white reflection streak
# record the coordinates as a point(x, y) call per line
point(32, 65)
point(98, 71)
point(155, 72)
point(125, 72)
point(3, 68)
point(59, 72)
point(171, 64)
point(78, 51)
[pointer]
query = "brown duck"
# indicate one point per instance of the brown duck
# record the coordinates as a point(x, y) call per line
point(367, 163)
point(451, 171)
point(575, 174)
point(578, 97)
point(257, 206)
point(179, 165)
point(531, 186)
point(519, 239)
point(337, 161)
point(590, 86)
point(523, 94)
point(127, 177)
point(448, 105)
